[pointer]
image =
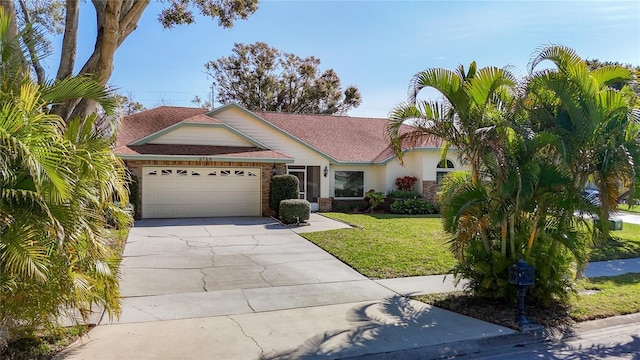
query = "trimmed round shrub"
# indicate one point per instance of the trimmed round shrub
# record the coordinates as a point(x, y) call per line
point(283, 187)
point(293, 211)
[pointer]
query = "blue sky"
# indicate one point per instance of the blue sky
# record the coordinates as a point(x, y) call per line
point(375, 45)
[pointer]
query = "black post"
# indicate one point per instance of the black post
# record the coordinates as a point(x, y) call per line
point(521, 275)
point(522, 320)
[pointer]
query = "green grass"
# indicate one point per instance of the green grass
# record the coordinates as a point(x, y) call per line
point(608, 296)
point(388, 246)
point(625, 207)
point(624, 244)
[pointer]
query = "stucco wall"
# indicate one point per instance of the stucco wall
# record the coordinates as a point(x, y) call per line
point(413, 164)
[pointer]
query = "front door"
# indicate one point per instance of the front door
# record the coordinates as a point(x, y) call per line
point(302, 177)
point(309, 177)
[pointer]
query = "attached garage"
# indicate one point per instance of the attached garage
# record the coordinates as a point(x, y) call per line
point(170, 192)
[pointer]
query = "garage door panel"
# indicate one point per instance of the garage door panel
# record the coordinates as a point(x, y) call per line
point(200, 192)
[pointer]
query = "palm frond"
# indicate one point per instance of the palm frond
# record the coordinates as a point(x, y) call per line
point(563, 57)
point(78, 87)
point(447, 82)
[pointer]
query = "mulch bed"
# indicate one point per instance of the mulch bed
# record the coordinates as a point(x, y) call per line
point(500, 312)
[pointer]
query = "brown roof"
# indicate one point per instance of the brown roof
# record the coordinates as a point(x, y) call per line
point(344, 138)
point(200, 150)
point(137, 126)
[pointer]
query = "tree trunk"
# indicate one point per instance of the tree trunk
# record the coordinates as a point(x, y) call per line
point(69, 40)
point(115, 21)
point(604, 209)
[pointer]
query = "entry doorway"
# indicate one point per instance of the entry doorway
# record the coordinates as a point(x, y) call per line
point(309, 177)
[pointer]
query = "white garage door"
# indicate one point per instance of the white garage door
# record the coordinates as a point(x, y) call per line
point(200, 192)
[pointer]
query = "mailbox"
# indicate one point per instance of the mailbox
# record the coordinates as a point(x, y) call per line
point(521, 273)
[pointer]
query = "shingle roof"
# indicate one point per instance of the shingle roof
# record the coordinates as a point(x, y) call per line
point(344, 138)
point(136, 126)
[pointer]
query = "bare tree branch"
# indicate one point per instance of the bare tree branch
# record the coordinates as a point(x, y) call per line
point(30, 42)
point(69, 40)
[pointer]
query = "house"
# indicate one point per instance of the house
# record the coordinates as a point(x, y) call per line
point(191, 162)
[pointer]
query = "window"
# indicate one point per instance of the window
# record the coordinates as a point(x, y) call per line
point(181, 172)
point(239, 172)
point(445, 164)
point(444, 167)
point(349, 183)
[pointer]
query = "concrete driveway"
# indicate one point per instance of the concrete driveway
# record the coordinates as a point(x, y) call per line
point(188, 268)
point(249, 288)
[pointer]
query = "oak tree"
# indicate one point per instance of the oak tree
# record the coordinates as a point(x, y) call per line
point(263, 78)
point(115, 21)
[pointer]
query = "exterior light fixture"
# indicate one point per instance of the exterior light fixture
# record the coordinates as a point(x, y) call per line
point(274, 170)
point(325, 171)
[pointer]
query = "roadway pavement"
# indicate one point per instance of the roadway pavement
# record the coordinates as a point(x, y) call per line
point(627, 218)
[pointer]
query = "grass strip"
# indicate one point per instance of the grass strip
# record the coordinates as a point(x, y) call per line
point(625, 207)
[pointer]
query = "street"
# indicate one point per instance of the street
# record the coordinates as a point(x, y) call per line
point(621, 342)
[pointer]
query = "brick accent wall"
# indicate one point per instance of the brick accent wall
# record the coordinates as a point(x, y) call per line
point(429, 189)
point(325, 204)
point(266, 170)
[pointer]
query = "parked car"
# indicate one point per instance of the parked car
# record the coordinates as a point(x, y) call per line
point(592, 196)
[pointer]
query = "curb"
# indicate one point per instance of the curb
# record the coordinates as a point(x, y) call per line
point(462, 348)
point(494, 344)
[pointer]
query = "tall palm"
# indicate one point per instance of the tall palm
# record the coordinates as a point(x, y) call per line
point(464, 119)
point(596, 123)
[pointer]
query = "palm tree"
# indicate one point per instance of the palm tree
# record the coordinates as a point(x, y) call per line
point(474, 101)
point(518, 200)
point(58, 184)
point(521, 208)
point(596, 123)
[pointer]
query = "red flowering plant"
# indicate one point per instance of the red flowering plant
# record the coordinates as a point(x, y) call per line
point(406, 183)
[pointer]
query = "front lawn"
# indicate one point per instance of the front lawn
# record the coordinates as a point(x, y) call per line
point(625, 208)
point(385, 246)
point(624, 244)
point(388, 246)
